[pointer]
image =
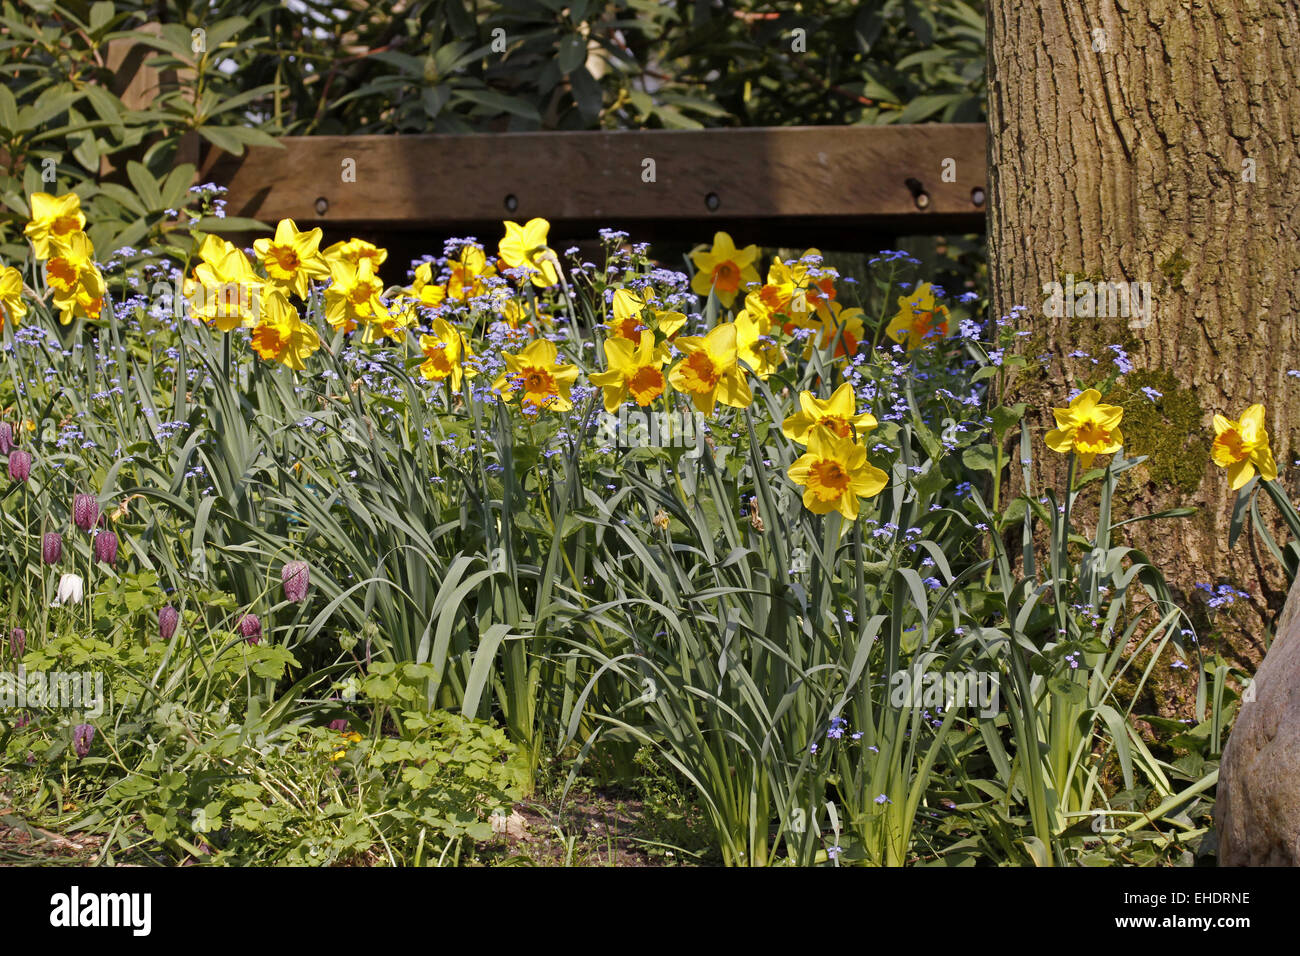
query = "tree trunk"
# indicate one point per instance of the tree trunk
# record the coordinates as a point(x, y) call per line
point(1156, 142)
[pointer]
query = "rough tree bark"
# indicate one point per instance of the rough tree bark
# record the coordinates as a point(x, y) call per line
point(1156, 141)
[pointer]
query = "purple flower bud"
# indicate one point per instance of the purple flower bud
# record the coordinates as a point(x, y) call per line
point(52, 547)
point(20, 465)
point(251, 628)
point(340, 725)
point(6, 438)
point(82, 736)
point(296, 576)
point(168, 618)
point(105, 547)
point(85, 511)
point(17, 642)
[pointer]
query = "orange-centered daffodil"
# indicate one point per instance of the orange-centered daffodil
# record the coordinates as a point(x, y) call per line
point(280, 334)
point(445, 353)
point(1242, 446)
point(353, 296)
point(709, 372)
point(835, 473)
point(838, 413)
point(292, 259)
point(54, 218)
point(919, 321)
point(632, 370)
point(724, 269)
point(224, 289)
point(534, 376)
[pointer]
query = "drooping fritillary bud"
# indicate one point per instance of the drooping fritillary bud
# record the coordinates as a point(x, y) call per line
point(168, 618)
point(105, 547)
point(85, 511)
point(82, 737)
point(20, 465)
point(17, 642)
point(251, 628)
point(6, 438)
point(340, 725)
point(296, 576)
point(52, 547)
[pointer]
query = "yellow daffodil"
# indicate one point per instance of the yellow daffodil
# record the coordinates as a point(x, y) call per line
point(627, 322)
point(835, 473)
point(85, 298)
point(68, 261)
point(919, 321)
point(665, 322)
point(755, 346)
point(355, 250)
point(838, 413)
point(281, 335)
point(791, 290)
point(709, 373)
point(468, 270)
point(424, 289)
point(292, 259)
point(12, 308)
point(352, 296)
point(224, 290)
point(843, 328)
point(53, 219)
point(1242, 446)
point(758, 310)
point(632, 370)
point(534, 376)
point(393, 324)
point(520, 314)
point(1086, 428)
point(724, 269)
point(445, 353)
point(525, 247)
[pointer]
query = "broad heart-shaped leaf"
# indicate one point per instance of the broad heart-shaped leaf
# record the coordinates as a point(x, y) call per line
point(931, 482)
point(980, 458)
point(1072, 691)
point(1004, 416)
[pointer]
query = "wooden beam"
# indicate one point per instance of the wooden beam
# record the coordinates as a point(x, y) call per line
point(766, 185)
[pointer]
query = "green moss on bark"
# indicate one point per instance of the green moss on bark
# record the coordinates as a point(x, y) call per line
point(1170, 431)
